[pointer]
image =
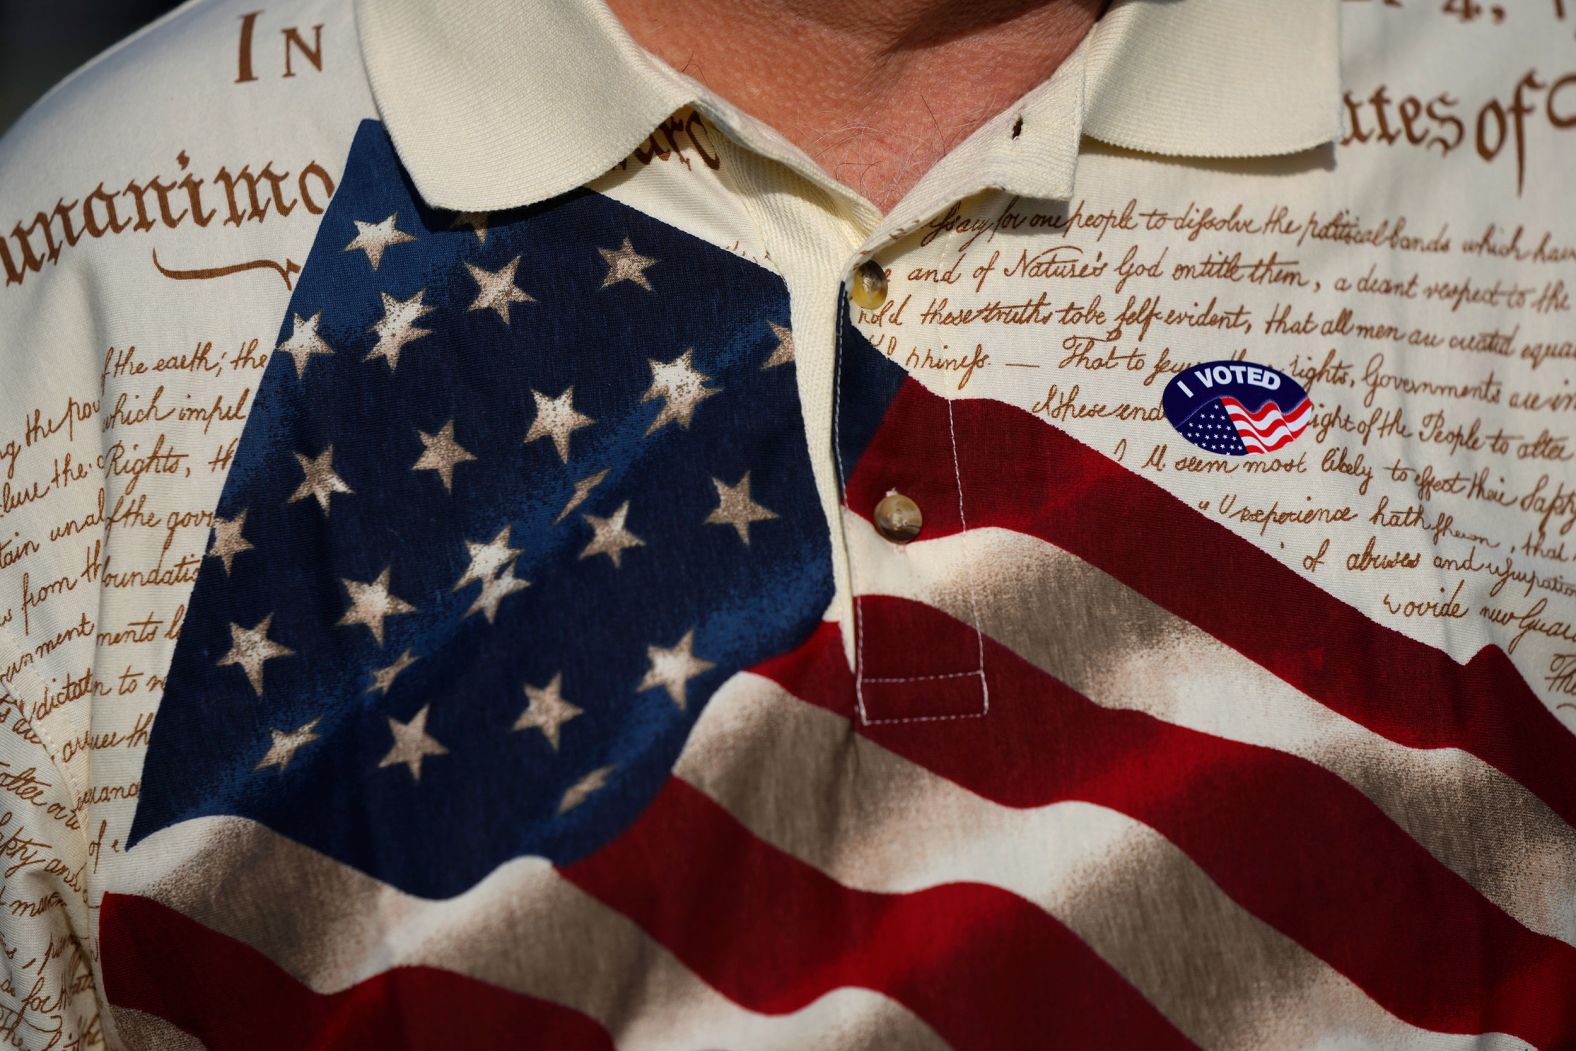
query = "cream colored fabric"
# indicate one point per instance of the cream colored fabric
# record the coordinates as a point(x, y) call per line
point(1222, 78)
point(492, 110)
point(1369, 197)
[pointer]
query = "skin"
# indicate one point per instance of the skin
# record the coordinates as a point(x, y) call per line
point(876, 91)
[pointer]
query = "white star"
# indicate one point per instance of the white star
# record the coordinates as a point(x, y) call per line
point(320, 480)
point(412, 743)
point(398, 326)
point(609, 537)
point(487, 559)
point(494, 591)
point(383, 678)
point(582, 490)
point(250, 647)
point(497, 291)
point(442, 454)
point(672, 669)
point(286, 744)
point(681, 386)
point(547, 710)
point(304, 342)
point(227, 539)
point(735, 508)
point(477, 221)
point(557, 419)
point(582, 789)
point(376, 238)
point(370, 603)
point(782, 354)
point(626, 264)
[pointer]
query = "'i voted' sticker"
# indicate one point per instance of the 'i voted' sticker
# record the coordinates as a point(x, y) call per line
point(1236, 407)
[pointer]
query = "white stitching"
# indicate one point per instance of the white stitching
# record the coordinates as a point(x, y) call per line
point(919, 678)
point(979, 636)
point(926, 718)
point(859, 625)
point(842, 493)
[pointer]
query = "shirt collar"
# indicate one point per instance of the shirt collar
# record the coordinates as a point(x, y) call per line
point(495, 104)
point(1215, 78)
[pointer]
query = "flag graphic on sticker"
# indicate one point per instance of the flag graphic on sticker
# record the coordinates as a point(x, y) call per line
point(1237, 408)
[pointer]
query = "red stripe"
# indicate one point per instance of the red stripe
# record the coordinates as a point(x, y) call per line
point(1282, 431)
point(1020, 473)
point(1249, 441)
point(985, 969)
point(1260, 428)
point(230, 996)
point(1294, 422)
point(1267, 410)
point(1291, 842)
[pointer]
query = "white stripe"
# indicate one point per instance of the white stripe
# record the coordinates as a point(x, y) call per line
point(1279, 426)
point(1269, 437)
point(1275, 417)
point(881, 823)
point(1251, 443)
point(139, 1031)
point(1126, 652)
point(524, 928)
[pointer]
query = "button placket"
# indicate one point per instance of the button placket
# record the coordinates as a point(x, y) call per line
point(911, 662)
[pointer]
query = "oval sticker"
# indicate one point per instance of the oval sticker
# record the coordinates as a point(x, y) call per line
point(1236, 408)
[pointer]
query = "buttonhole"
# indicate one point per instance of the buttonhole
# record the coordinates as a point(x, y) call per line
point(1017, 126)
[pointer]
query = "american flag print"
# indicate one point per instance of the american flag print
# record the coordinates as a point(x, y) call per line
point(1267, 428)
point(471, 439)
point(507, 712)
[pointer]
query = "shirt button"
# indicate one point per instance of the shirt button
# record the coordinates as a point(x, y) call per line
point(898, 518)
point(870, 285)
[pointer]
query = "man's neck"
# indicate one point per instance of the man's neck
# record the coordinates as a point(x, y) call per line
point(876, 93)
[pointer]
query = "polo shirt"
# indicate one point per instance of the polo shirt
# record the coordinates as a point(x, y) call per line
point(498, 548)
